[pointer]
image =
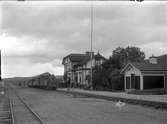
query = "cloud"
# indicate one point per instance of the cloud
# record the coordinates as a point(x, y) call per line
point(42, 33)
point(22, 67)
point(155, 48)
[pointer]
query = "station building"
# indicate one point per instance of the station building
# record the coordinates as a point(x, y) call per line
point(77, 67)
point(150, 74)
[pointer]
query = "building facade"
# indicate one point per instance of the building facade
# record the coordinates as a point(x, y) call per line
point(151, 74)
point(77, 67)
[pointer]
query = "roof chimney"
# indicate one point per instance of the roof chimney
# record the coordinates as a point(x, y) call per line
point(153, 60)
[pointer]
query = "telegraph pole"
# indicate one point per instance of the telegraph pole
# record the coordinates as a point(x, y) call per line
point(91, 48)
point(0, 67)
point(1, 82)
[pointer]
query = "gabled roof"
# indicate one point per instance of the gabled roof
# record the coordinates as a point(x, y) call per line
point(82, 58)
point(125, 67)
point(98, 56)
point(85, 60)
point(75, 57)
point(145, 66)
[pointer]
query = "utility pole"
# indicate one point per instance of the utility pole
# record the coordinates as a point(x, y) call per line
point(0, 67)
point(91, 48)
point(2, 91)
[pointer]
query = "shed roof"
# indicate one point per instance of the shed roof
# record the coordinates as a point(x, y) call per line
point(150, 67)
point(145, 66)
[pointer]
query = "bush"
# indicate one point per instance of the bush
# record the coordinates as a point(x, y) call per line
point(117, 82)
point(107, 80)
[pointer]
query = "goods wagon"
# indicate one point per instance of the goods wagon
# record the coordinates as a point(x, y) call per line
point(45, 81)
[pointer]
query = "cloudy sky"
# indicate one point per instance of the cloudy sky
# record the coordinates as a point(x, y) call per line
point(35, 36)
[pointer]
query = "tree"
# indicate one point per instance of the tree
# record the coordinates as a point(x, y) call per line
point(108, 76)
point(100, 78)
point(134, 54)
point(121, 56)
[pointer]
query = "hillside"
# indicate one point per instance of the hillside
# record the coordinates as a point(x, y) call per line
point(43, 76)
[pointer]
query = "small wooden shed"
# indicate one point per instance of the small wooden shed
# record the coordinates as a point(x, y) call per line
point(144, 75)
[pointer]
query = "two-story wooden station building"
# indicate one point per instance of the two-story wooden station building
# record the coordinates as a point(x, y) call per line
point(77, 67)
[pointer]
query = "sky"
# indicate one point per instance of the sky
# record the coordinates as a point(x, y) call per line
point(35, 36)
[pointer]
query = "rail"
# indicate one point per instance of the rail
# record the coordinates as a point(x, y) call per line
point(27, 106)
point(11, 111)
point(9, 118)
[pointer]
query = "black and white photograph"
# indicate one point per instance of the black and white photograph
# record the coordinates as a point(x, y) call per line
point(83, 62)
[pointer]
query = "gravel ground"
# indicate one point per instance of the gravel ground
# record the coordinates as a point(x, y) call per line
point(59, 108)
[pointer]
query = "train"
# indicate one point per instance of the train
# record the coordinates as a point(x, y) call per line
point(44, 81)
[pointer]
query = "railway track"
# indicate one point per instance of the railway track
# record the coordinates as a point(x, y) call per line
point(21, 112)
point(6, 112)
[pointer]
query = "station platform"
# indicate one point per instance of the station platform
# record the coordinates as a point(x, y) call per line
point(150, 100)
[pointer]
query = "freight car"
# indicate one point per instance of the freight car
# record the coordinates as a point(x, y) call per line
point(44, 81)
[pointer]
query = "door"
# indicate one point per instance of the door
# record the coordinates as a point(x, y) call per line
point(132, 81)
point(137, 82)
point(152, 82)
point(127, 82)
